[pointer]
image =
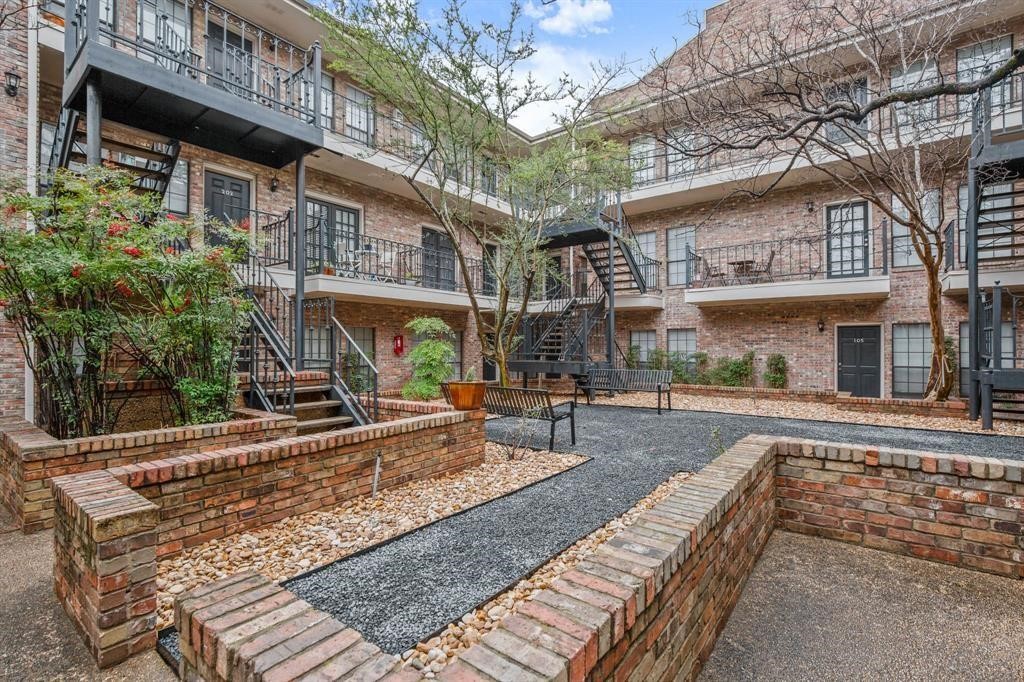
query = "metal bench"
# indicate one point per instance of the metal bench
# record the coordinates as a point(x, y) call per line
point(644, 380)
point(530, 403)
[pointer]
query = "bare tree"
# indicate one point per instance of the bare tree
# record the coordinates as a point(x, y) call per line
point(452, 89)
point(863, 94)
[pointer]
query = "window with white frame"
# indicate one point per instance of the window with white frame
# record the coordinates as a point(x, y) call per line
point(642, 342)
point(176, 196)
point(919, 115)
point(852, 92)
point(911, 359)
point(977, 61)
point(641, 157)
point(677, 162)
point(903, 251)
point(1009, 350)
point(682, 344)
point(995, 227)
point(358, 115)
point(680, 242)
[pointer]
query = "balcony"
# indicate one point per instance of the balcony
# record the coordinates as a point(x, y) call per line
point(207, 77)
point(842, 265)
point(1000, 244)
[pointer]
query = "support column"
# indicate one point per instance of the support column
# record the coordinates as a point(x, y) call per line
point(300, 260)
point(974, 397)
point(93, 121)
point(611, 299)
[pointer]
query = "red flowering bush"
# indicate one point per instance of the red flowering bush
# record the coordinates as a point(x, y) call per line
point(108, 277)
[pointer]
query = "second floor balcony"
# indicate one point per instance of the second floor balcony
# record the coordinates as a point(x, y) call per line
point(845, 263)
point(194, 71)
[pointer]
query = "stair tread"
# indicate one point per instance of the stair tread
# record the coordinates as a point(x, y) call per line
point(321, 388)
point(310, 424)
point(134, 149)
point(317, 404)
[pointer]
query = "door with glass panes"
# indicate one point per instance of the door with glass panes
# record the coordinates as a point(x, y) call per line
point(332, 236)
point(438, 260)
point(848, 241)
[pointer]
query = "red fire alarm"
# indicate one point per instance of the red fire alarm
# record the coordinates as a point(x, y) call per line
point(398, 344)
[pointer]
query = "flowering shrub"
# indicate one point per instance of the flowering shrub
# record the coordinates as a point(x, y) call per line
point(106, 289)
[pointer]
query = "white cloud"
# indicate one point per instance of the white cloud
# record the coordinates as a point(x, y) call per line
point(549, 63)
point(571, 17)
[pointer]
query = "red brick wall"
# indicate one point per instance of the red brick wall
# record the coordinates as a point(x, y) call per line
point(29, 456)
point(113, 525)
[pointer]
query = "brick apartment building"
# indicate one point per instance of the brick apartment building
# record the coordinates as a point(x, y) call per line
point(217, 78)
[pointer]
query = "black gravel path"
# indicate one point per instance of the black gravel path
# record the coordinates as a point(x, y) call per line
point(405, 590)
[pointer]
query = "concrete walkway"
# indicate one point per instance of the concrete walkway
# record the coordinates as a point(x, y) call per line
point(821, 610)
point(403, 591)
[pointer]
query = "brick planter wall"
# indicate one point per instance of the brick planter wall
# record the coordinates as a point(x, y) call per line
point(105, 518)
point(29, 456)
point(391, 409)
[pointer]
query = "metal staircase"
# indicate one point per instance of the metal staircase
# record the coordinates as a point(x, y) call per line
point(151, 164)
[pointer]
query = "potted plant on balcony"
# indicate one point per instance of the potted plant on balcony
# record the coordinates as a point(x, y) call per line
point(467, 394)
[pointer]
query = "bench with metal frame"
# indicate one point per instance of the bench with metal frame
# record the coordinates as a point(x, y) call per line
point(644, 380)
point(526, 403)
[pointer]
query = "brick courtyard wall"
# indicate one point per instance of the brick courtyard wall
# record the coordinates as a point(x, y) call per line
point(105, 519)
point(105, 564)
point(958, 510)
point(29, 456)
point(390, 409)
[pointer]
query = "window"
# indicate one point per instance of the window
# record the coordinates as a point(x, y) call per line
point(165, 25)
point(490, 282)
point(646, 242)
point(681, 242)
point(641, 157)
point(995, 228)
point(978, 60)
point(903, 251)
point(682, 344)
point(489, 177)
point(359, 115)
point(853, 92)
point(848, 239)
point(1009, 348)
point(326, 100)
point(643, 342)
point(911, 359)
point(335, 238)
point(677, 162)
point(47, 131)
point(918, 75)
point(176, 196)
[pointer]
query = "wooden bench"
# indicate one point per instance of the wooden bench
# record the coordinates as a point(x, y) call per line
point(645, 380)
point(526, 403)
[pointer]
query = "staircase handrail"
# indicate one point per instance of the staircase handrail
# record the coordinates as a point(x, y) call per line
point(360, 411)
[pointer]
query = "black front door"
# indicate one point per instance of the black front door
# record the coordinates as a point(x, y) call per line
point(860, 361)
point(226, 199)
point(438, 261)
point(230, 61)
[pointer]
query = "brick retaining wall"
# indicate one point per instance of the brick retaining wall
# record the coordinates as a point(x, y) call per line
point(105, 517)
point(29, 456)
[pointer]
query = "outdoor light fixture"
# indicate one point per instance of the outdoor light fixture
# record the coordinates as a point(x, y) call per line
point(809, 206)
point(12, 83)
point(274, 184)
point(821, 325)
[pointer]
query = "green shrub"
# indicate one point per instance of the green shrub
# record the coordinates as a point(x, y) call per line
point(431, 359)
point(632, 357)
point(775, 371)
point(734, 371)
point(657, 359)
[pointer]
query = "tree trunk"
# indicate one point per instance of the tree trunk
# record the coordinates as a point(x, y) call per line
point(941, 376)
point(501, 360)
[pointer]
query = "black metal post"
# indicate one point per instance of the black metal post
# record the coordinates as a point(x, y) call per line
point(885, 246)
point(611, 301)
point(973, 309)
point(300, 260)
point(93, 122)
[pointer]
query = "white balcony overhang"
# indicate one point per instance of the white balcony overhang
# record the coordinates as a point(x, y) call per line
point(852, 289)
point(369, 291)
point(1012, 276)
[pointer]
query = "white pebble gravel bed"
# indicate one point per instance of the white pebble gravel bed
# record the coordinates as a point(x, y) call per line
point(793, 409)
point(295, 545)
point(430, 656)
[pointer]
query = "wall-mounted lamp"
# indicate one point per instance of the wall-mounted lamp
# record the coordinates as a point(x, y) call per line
point(809, 206)
point(274, 184)
point(821, 325)
point(12, 82)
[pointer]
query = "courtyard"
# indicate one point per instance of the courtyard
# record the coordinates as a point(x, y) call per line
point(408, 589)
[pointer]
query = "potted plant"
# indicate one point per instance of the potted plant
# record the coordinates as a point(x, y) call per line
point(467, 394)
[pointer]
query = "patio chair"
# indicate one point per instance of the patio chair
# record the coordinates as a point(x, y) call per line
point(763, 271)
point(711, 273)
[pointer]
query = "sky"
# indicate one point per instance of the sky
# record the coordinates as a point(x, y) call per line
point(570, 35)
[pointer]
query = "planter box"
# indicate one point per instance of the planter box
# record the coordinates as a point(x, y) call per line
point(29, 456)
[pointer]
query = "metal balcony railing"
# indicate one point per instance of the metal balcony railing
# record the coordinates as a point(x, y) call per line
point(350, 254)
point(836, 255)
point(230, 53)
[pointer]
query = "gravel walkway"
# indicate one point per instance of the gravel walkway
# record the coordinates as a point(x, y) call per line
point(402, 592)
